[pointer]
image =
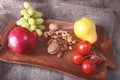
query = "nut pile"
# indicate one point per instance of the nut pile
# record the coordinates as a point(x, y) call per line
point(60, 40)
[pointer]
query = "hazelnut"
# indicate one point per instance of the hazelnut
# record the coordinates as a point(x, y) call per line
point(70, 47)
point(73, 42)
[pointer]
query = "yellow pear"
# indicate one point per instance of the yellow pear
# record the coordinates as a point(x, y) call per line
point(85, 29)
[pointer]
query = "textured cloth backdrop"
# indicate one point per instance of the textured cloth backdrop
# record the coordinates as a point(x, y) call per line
point(104, 12)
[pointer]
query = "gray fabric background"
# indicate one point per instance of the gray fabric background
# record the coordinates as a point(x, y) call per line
point(104, 12)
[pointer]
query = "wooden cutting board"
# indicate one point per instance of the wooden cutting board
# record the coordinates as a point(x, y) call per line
point(41, 58)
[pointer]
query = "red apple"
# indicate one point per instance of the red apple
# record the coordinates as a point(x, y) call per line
point(21, 40)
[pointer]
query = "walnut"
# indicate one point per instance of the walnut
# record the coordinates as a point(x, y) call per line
point(53, 27)
point(53, 48)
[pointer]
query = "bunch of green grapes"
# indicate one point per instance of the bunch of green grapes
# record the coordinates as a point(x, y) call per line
point(31, 19)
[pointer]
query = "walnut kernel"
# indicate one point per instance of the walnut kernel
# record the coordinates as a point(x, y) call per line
point(53, 27)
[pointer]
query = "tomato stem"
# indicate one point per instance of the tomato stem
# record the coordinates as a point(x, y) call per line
point(100, 56)
point(86, 57)
point(93, 63)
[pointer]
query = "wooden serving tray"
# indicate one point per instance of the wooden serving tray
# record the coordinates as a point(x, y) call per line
point(41, 58)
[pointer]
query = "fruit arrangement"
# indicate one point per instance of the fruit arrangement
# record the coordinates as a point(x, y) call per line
point(23, 39)
point(41, 58)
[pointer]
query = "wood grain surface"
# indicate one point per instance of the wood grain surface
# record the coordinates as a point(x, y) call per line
point(41, 58)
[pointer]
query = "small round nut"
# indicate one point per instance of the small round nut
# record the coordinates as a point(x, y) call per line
point(70, 48)
point(53, 27)
point(73, 42)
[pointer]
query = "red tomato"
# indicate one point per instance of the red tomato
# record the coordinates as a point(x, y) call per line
point(84, 47)
point(97, 59)
point(77, 58)
point(87, 67)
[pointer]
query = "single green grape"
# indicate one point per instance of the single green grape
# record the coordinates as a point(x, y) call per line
point(26, 25)
point(39, 21)
point(37, 14)
point(23, 11)
point(26, 16)
point(27, 5)
point(39, 32)
point(33, 27)
point(31, 21)
point(23, 20)
point(42, 27)
point(30, 11)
